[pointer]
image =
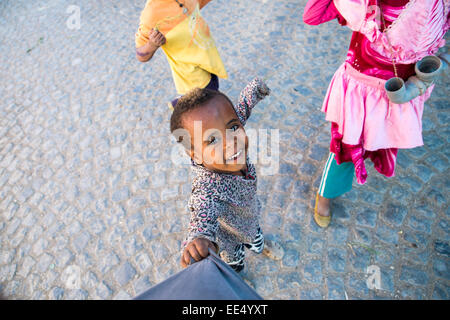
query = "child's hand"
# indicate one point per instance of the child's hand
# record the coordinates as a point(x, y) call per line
point(156, 38)
point(197, 249)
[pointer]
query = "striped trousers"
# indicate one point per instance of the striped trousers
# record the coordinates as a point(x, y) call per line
point(337, 179)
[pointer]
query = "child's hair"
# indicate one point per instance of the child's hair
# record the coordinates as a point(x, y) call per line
point(193, 99)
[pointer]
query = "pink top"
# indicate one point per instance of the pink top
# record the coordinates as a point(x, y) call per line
point(369, 51)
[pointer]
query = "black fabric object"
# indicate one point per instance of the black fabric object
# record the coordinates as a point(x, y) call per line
point(208, 279)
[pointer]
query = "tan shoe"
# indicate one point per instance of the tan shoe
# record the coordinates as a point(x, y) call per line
point(321, 221)
point(273, 250)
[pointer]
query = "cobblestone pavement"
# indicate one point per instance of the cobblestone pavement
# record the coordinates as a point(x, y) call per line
point(92, 207)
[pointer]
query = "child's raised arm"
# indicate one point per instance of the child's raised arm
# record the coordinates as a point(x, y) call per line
point(253, 92)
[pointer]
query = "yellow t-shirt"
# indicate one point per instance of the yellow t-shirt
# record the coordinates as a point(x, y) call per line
point(189, 47)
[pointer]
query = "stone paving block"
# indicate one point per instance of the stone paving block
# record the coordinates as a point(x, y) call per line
point(29, 220)
point(287, 168)
point(403, 160)
point(413, 276)
point(362, 235)
point(134, 222)
point(416, 152)
point(358, 285)
point(311, 294)
point(336, 259)
point(412, 183)
point(293, 231)
point(339, 211)
point(131, 246)
point(263, 286)
point(85, 199)
point(158, 179)
point(282, 184)
point(122, 295)
point(259, 265)
point(273, 220)
point(169, 193)
point(319, 153)
point(26, 266)
point(367, 218)
point(315, 245)
point(441, 268)
point(420, 224)
point(103, 291)
point(291, 258)
point(301, 190)
point(81, 241)
point(338, 234)
point(384, 257)
point(444, 226)
point(387, 234)
point(7, 256)
point(436, 161)
point(371, 198)
point(78, 294)
point(289, 281)
point(442, 248)
point(440, 292)
point(387, 280)
point(400, 193)
point(359, 258)
point(7, 272)
point(90, 281)
point(158, 250)
point(124, 273)
point(44, 262)
point(413, 292)
point(64, 257)
point(108, 261)
point(56, 293)
point(39, 247)
point(13, 226)
point(336, 289)
point(435, 196)
point(121, 194)
point(297, 211)
point(423, 172)
point(141, 284)
point(433, 141)
point(313, 271)
point(143, 262)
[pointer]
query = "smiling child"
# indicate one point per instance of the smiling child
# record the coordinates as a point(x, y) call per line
point(224, 207)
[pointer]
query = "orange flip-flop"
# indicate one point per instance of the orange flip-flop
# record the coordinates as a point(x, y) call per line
point(321, 221)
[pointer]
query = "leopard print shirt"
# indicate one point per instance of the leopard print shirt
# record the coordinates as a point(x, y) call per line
point(224, 208)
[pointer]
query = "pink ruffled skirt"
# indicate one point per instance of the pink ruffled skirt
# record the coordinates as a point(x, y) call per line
point(366, 124)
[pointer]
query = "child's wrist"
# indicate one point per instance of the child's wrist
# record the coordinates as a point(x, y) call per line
point(152, 46)
point(146, 50)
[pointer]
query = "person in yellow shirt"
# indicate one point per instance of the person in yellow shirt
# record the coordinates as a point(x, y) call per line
point(179, 29)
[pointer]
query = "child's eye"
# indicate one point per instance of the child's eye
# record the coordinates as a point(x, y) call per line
point(235, 127)
point(212, 140)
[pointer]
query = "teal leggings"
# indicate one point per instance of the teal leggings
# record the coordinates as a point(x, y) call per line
point(336, 179)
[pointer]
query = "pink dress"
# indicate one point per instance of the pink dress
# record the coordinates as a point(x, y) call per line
point(364, 123)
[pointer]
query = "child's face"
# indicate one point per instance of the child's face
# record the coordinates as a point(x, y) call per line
point(218, 139)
